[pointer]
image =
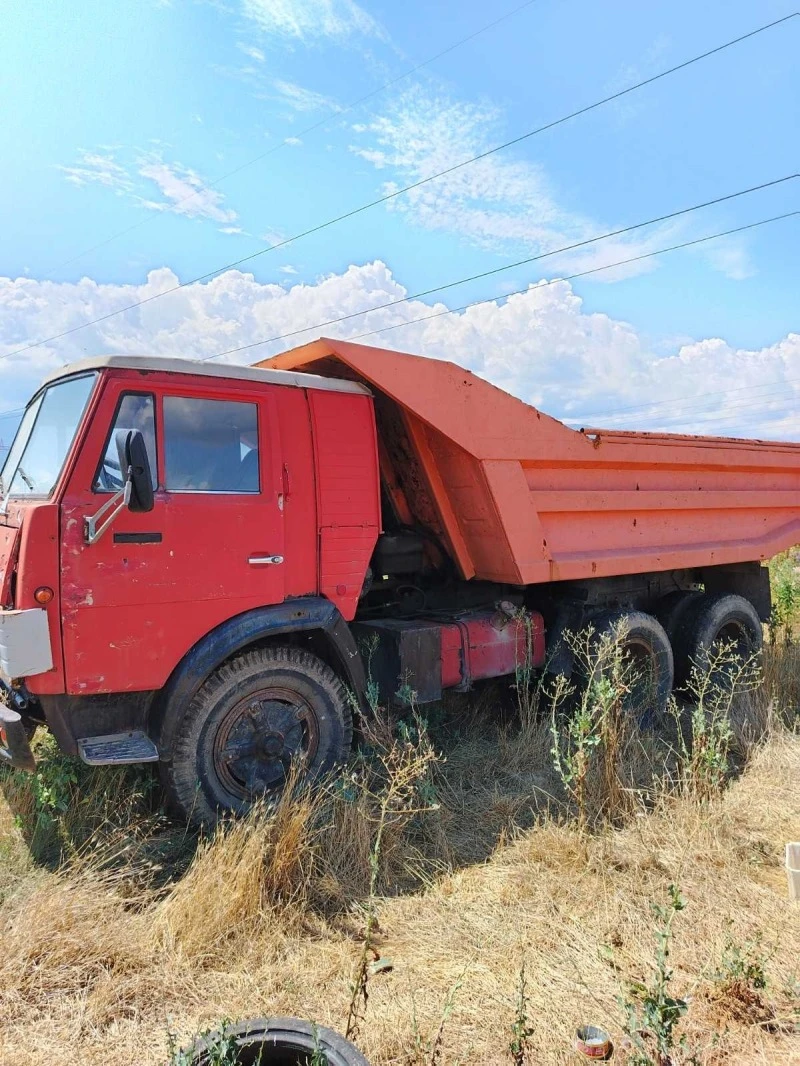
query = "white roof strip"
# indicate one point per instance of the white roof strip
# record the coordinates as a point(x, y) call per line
point(147, 364)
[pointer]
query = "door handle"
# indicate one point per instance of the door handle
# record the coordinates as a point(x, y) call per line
point(265, 560)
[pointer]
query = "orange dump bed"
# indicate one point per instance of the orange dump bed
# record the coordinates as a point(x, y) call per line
point(519, 497)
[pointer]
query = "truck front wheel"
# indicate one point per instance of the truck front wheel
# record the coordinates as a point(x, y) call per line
point(252, 719)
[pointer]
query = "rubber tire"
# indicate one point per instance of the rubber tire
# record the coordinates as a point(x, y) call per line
point(280, 1042)
point(194, 790)
point(701, 625)
point(649, 630)
point(671, 610)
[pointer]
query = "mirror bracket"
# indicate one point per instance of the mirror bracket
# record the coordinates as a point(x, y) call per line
point(92, 532)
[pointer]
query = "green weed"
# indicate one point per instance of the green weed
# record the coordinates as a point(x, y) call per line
point(714, 685)
point(521, 1029)
point(652, 1012)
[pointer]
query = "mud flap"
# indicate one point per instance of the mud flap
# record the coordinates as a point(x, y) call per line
point(15, 749)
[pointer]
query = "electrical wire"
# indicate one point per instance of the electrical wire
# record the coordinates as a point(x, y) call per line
point(700, 419)
point(776, 388)
point(704, 417)
point(573, 277)
point(408, 188)
point(507, 266)
point(646, 405)
point(305, 132)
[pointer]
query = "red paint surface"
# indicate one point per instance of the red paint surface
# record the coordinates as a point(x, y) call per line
point(490, 645)
point(348, 493)
point(9, 542)
point(132, 611)
point(129, 612)
point(29, 548)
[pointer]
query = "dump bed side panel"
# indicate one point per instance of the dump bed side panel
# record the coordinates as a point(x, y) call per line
point(520, 497)
point(648, 503)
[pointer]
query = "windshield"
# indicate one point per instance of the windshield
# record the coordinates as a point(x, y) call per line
point(44, 438)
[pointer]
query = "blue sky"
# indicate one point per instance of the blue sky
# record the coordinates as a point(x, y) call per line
point(114, 114)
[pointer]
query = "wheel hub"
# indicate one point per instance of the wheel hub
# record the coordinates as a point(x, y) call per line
point(272, 744)
point(260, 738)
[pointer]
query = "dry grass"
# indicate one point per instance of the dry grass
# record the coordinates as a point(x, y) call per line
point(140, 928)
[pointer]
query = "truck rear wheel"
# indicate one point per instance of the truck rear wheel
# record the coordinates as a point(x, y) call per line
point(671, 610)
point(715, 619)
point(250, 721)
point(646, 648)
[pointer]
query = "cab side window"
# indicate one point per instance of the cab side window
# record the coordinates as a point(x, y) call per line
point(135, 410)
point(210, 445)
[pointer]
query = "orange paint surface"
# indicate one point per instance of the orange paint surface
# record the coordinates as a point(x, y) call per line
point(519, 497)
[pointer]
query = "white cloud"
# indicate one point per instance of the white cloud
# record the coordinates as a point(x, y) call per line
point(288, 269)
point(301, 99)
point(152, 183)
point(292, 141)
point(729, 256)
point(541, 345)
point(94, 168)
point(305, 20)
point(184, 192)
point(251, 51)
point(498, 202)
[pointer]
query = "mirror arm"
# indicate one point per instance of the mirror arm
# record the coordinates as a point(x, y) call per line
point(92, 532)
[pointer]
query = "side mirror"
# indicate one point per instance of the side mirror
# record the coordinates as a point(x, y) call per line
point(137, 485)
point(135, 466)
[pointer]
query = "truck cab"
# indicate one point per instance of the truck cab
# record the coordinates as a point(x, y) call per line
point(251, 511)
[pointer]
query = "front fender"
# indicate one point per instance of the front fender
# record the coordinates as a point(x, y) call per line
point(306, 614)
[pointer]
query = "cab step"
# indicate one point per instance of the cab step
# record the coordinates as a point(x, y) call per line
point(118, 749)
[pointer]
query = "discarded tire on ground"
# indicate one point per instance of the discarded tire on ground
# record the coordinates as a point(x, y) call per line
point(276, 1042)
point(715, 619)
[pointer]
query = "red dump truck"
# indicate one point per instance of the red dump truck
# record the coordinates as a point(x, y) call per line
point(194, 557)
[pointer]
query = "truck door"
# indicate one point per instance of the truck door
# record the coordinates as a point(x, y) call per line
point(135, 601)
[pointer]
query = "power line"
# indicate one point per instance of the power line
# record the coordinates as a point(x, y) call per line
point(585, 273)
point(704, 398)
point(408, 188)
point(645, 405)
point(700, 420)
point(507, 266)
point(580, 274)
point(705, 416)
point(309, 129)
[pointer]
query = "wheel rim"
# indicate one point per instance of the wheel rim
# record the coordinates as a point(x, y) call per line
point(642, 659)
point(737, 636)
point(732, 649)
point(259, 739)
